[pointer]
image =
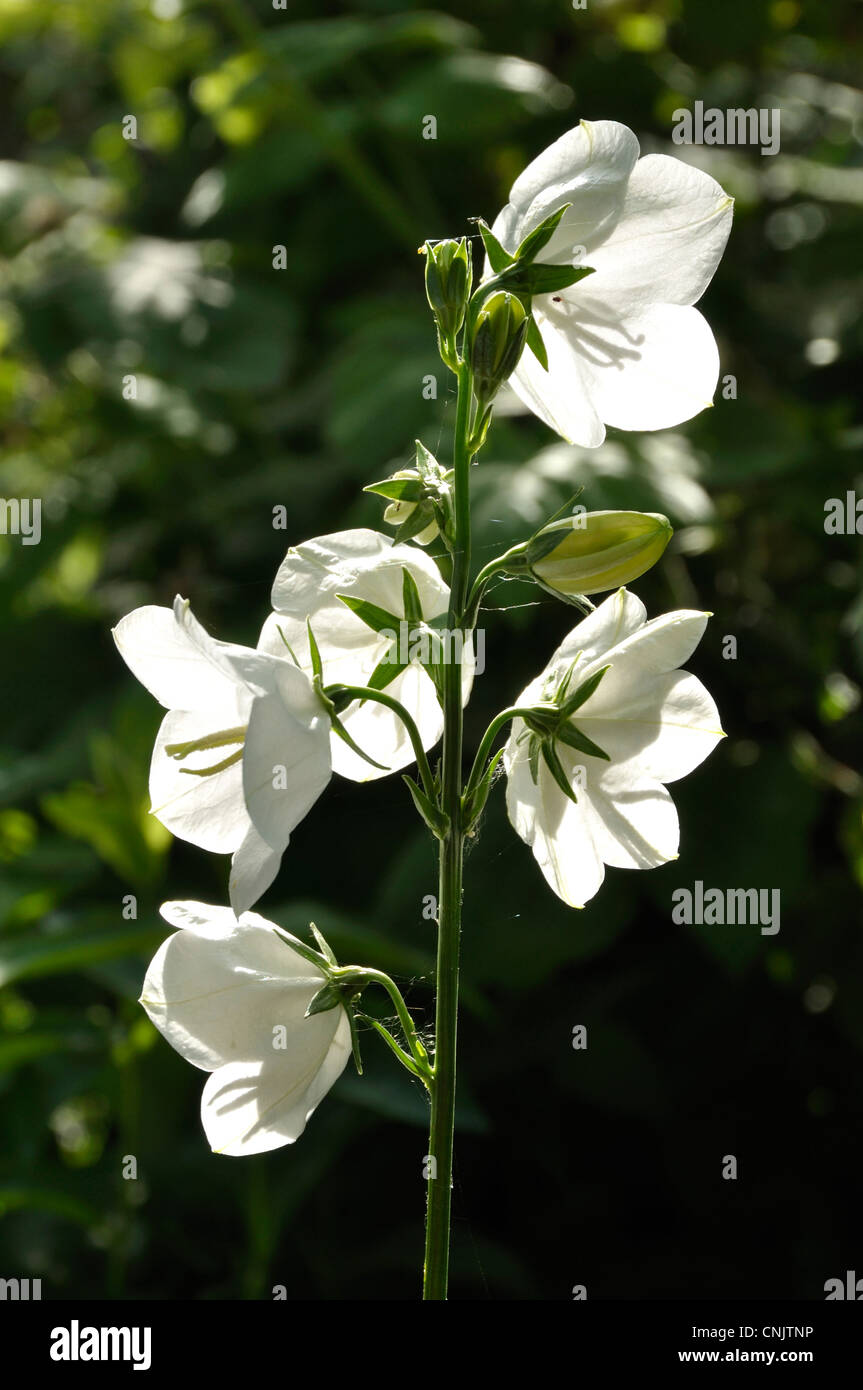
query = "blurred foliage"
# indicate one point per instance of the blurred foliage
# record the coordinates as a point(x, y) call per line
point(152, 258)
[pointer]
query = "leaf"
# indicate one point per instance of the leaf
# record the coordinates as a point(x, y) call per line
point(436, 820)
point(411, 598)
point(41, 955)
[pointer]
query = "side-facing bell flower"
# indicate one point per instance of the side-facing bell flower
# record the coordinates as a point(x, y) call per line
point(244, 751)
point(231, 997)
point(376, 609)
point(612, 719)
point(624, 345)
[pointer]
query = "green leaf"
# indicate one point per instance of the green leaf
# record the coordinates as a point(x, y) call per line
point(436, 820)
point(57, 955)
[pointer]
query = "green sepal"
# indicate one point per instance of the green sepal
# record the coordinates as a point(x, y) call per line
point(318, 959)
point(329, 996)
point(386, 671)
point(398, 489)
point(540, 236)
point(541, 278)
point(314, 653)
point(341, 732)
point(498, 257)
point(536, 345)
point(378, 619)
point(405, 1059)
point(574, 738)
point(428, 467)
point(583, 692)
point(326, 949)
point(555, 767)
point(411, 597)
point(436, 819)
point(355, 1041)
point(421, 517)
point(474, 805)
point(533, 757)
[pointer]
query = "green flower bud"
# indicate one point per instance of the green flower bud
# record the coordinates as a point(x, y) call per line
point(498, 340)
point(449, 276)
point(595, 551)
point(397, 513)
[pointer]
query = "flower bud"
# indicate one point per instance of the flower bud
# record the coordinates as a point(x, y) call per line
point(595, 551)
point(448, 283)
point(397, 513)
point(498, 339)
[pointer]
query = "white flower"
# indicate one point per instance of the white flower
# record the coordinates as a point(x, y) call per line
point(654, 722)
point(624, 346)
point(231, 997)
point(364, 565)
point(244, 751)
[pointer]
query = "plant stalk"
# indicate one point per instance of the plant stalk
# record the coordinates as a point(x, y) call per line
point(451, 851)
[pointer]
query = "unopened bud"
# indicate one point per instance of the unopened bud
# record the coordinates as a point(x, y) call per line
point(498, 340)
point(448, 283)
point(596, 551)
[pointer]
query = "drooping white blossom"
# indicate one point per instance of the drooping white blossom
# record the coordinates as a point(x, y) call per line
point(366, 566)
point(625, 347)
point(654, 722)
point(231, 996)
point(243, 752)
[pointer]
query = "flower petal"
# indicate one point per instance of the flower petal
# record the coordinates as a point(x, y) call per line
point(589, 166)
point(652, 726)
point(560, 396)
point(217, 988)
point(286, 757)
point(558, 831)
point(360, 562)
point(209, 811)
point(252, 1107)
point(668, 241)
point(633, 821)
point(253, 868)
point(656, 368)
point(164, 655)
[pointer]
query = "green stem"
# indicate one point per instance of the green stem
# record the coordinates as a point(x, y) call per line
point(407, 1024)
point(366, 692)
point(488, 738)
point(450, 883)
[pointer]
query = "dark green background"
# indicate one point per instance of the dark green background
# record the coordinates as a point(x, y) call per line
point(260, 388)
